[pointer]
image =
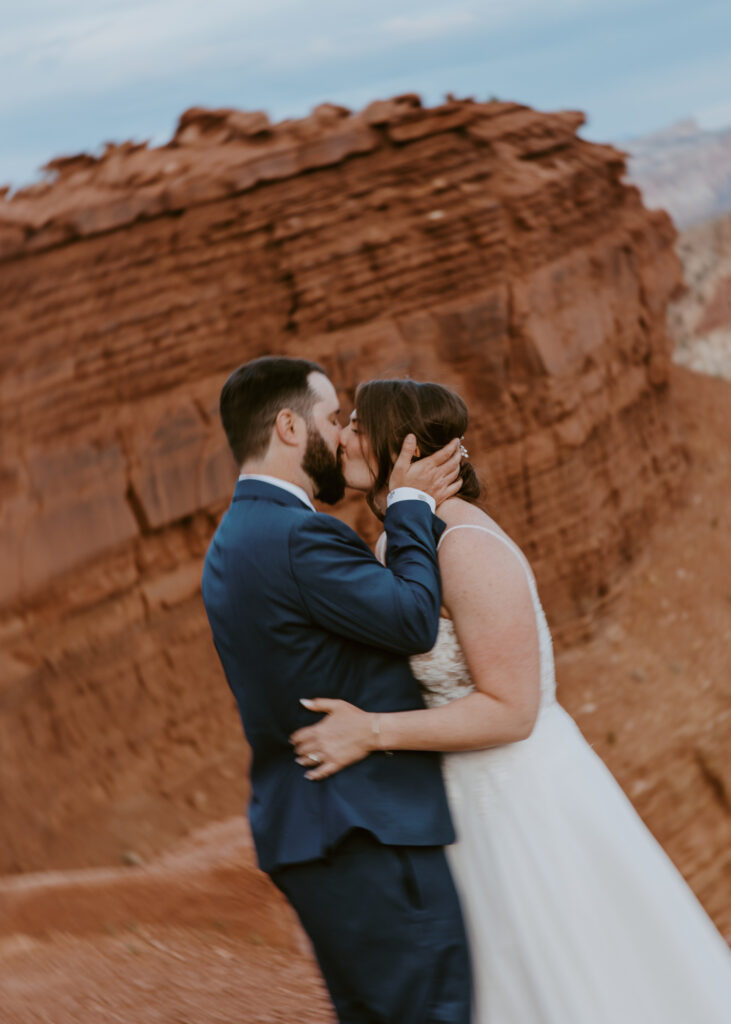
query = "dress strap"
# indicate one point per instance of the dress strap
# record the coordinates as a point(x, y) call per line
point(510, 544)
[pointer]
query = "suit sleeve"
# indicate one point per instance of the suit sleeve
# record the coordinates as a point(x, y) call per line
point(347, 591)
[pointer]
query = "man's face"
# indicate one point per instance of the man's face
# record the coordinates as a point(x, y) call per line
point(321, 460)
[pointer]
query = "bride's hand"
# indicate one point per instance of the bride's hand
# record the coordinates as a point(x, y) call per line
point(437, 474)
point(343, 736)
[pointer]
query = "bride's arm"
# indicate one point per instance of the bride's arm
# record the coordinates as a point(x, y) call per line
point(486, 591)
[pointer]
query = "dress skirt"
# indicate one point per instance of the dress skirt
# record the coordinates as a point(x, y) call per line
point(575, 914)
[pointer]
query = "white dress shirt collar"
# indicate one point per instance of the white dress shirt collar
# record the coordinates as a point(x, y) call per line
point(284, 484)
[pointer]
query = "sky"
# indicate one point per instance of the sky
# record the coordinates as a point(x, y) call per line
point(77, 73)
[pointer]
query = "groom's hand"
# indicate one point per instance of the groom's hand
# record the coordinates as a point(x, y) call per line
point(437, 474)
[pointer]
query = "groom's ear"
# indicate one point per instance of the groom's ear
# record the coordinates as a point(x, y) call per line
point(288, 427)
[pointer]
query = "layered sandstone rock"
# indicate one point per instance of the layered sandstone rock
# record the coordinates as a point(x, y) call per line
point(484, 245)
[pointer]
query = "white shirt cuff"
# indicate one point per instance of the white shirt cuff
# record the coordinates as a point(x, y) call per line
point(410, 494)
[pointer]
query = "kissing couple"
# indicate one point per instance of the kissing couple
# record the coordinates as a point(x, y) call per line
point(507, 881)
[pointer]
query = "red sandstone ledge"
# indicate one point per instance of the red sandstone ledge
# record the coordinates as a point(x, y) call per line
point(218, 153)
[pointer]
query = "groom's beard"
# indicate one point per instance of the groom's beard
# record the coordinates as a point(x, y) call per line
point(324, 469)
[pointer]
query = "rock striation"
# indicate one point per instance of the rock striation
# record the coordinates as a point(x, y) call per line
point(482, 244)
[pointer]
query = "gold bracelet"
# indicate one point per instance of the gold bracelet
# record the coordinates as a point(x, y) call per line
point(376, 730)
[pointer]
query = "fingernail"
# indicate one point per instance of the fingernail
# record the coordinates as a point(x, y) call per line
point(306, 701)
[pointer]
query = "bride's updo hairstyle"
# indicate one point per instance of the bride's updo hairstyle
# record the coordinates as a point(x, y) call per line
point(388, 410)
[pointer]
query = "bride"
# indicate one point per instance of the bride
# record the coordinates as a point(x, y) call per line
point(575, 914)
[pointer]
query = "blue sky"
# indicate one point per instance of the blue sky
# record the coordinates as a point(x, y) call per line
point(76, 73)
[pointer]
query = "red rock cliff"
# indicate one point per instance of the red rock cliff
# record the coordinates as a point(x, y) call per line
point(484, 245)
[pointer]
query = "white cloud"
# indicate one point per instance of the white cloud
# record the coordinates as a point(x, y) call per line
point(74, 72)
point(54, 47)
point(717, 115)
point(428, 25)
point(104, 45)
point(494, 15)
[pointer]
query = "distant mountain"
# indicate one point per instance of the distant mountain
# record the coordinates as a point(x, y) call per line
point(700, 320)
point(683, 169)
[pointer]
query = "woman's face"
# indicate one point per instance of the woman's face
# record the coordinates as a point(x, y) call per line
point(359, 467)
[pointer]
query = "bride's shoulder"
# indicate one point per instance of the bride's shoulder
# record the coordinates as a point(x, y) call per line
point(458, 512)
point(467, 555)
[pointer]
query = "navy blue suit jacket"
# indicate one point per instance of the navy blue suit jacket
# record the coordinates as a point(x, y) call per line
point(300, 607)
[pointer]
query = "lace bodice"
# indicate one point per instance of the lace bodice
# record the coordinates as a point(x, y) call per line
point(443, 673)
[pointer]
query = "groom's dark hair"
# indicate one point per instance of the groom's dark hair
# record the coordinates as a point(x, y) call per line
point(255, 393)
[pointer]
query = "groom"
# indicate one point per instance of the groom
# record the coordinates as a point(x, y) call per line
point(298, 605)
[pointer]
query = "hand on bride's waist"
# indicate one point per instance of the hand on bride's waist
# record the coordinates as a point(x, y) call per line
point(344, 735)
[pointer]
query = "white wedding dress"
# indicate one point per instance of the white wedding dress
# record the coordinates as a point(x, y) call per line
point(575, 914)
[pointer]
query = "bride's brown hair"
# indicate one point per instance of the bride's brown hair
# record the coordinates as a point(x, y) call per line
point(388, 410)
